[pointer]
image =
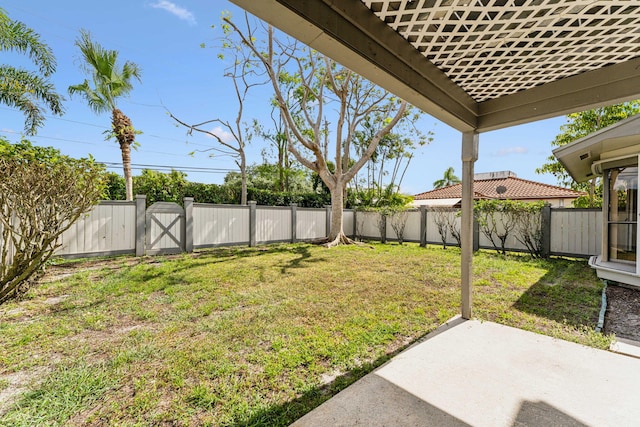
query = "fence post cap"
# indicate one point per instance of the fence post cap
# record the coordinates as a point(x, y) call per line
point(141, 196)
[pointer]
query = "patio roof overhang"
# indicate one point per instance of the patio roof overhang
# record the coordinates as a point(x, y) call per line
point(477, 65)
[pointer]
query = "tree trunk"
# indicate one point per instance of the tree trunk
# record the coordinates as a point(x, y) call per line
point(281, 180)
point(126, 167)
point(243, 178)
point(336, 234)
point(125, 135)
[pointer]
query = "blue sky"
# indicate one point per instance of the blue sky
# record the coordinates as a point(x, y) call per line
point(164, 39)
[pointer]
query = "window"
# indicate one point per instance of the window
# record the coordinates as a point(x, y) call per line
point(622, 218)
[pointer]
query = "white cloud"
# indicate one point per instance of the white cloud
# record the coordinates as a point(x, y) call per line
point(511, 150)
point(175, 10)
point(224, 135)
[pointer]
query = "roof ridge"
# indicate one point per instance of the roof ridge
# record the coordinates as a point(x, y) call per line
point(446, 192)
point(544, 184)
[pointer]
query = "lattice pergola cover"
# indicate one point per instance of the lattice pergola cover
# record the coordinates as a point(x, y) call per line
point(477, 64)
point(493, 48)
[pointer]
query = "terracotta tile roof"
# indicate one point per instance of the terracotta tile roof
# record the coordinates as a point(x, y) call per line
point(503, 188)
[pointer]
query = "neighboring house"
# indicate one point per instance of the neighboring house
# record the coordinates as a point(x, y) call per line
point(499, 185)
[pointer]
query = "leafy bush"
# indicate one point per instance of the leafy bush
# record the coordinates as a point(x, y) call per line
point(114, 187)
point(305, 200)
point(160, 187)
point(370, 199)
point(42, 193)
point(173, 187)
point(587, 202)
point(211, 193)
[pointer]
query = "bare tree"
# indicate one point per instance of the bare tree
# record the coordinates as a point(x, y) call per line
point(497, 220)
point(528, 217)
point(441, 218)
point(454, 228)
point(241, 137)
point(278, 138)
point(382, 176)
point(311, 90)
point(245, 75)
point(399, 223)
point(382, 215)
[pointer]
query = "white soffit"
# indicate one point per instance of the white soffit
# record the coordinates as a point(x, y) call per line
point(477, 64)
point(618, 139)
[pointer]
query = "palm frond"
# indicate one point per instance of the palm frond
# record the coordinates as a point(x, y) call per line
point(110, 82)
point(95, 100)
point(22, 89)
point(16, 36)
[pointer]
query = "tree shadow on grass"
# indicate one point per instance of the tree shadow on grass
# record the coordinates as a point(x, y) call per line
point(566, 294)
point(206, 257)
point(285, 413)
point(302, 253)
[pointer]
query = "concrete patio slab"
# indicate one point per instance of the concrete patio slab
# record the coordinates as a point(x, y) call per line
point(626, 347)
point(472, 373)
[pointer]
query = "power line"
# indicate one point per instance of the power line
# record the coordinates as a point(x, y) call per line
point(137, 166)
point(181, 168)
point(10, 132)
point(88, 143)
point(50, 117)
point(167, 169)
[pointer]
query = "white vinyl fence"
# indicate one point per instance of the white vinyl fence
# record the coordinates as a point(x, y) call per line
point(109, 228)
point(311, 223)
point(217, 225)
point(113, 228)
point(576, 231)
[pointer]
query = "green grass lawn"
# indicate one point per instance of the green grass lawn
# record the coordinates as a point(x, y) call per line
point(254, 336)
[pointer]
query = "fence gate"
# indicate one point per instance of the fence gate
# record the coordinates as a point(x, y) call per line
point(165, 229)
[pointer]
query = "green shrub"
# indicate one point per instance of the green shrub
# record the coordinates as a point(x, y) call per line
point(42, 193)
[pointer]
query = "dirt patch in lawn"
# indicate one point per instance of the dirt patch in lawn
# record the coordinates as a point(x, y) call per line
point(622, 317)
point(60, 271)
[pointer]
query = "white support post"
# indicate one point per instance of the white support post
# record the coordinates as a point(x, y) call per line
point(469, 156)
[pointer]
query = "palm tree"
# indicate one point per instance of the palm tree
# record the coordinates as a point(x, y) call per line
point(110, 82)
point(23, 89)
point(448, 179)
